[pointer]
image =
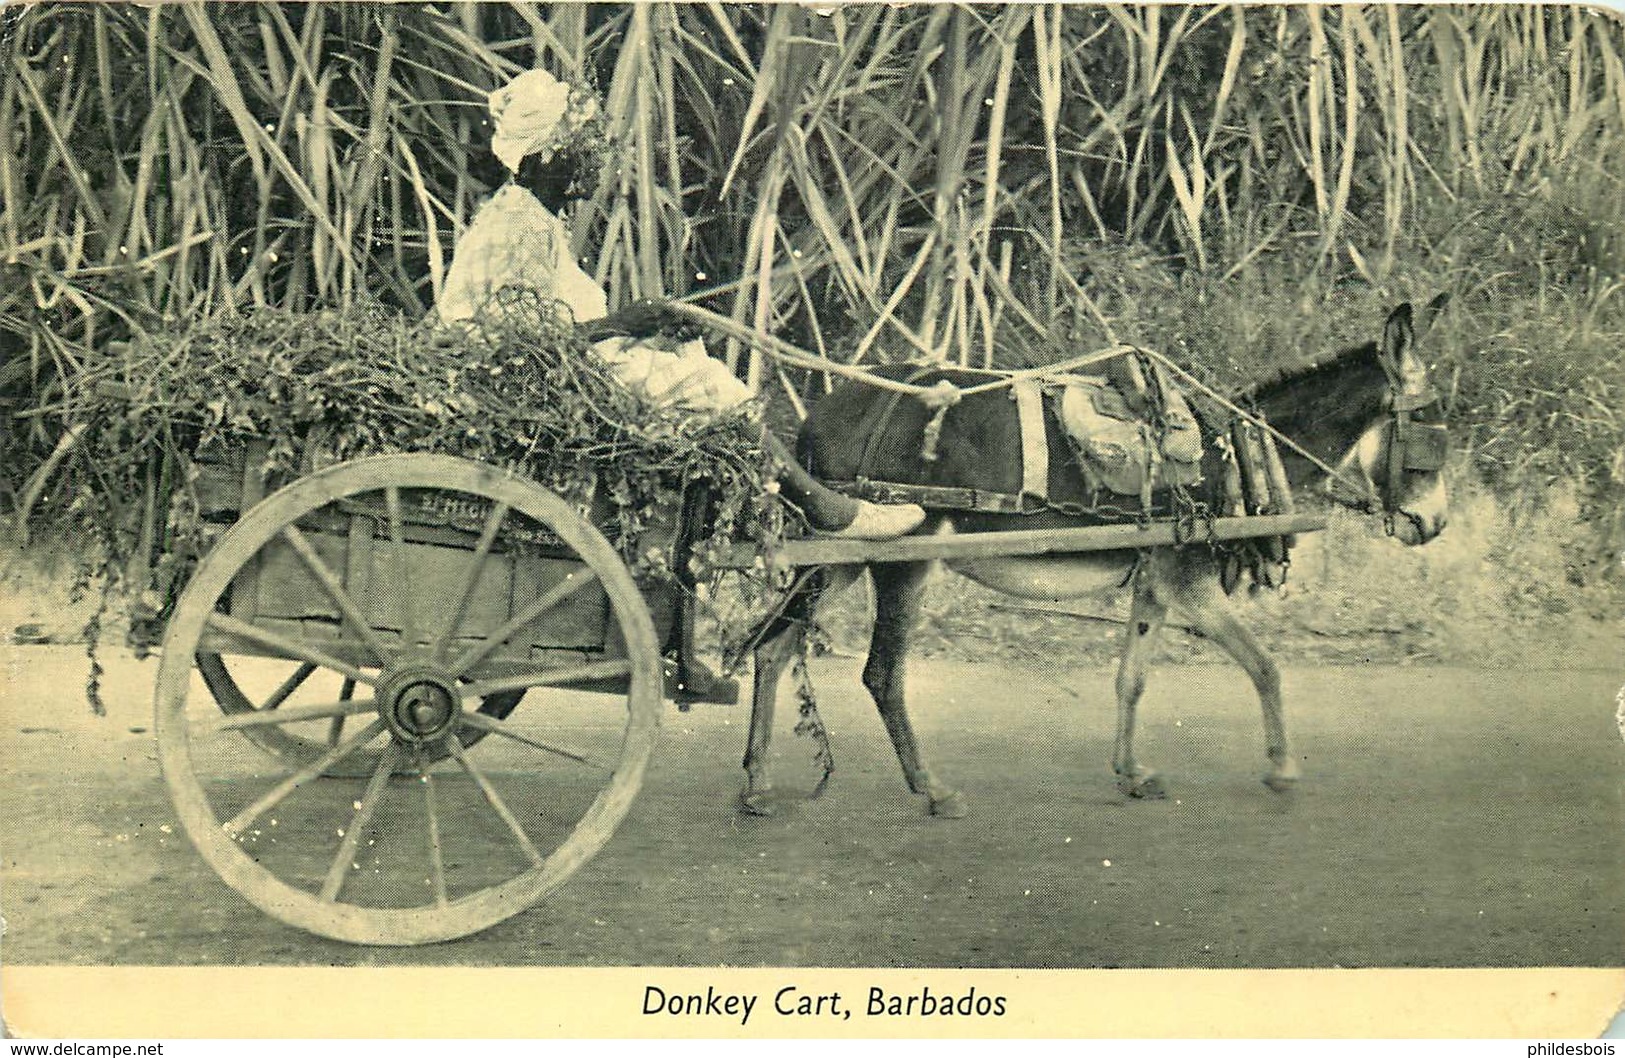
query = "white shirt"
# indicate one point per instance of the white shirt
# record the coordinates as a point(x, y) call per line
point(515, 241)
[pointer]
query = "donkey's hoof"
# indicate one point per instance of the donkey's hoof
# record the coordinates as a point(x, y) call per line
point(1283, 773)
point(757, 803)
point(950, 806)
point(1144, 786)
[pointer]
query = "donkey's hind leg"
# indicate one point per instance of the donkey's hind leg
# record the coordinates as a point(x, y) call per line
point(899, 591)
point(1145, 620)
point(1210, 615)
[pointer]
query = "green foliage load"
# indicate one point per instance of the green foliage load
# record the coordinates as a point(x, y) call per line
point(521, 390)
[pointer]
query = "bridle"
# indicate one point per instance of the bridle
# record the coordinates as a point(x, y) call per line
point(1412, 445)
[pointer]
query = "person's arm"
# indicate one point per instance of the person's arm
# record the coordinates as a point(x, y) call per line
point(641, 319)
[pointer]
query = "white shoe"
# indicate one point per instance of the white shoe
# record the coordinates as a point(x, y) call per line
point(880, 522)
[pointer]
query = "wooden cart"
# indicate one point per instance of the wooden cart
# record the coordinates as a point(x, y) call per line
point(372, 626)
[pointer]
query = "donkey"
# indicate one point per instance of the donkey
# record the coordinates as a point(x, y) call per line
point(1356, 411)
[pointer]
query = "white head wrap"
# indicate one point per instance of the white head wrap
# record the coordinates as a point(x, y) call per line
point(533, 115)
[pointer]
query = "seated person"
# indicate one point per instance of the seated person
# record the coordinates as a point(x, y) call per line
point(518, 239)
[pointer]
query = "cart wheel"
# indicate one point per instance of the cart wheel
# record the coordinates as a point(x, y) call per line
point(437, 842)
point(275, 684)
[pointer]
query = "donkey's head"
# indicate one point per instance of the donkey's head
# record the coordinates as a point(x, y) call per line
point(1396, 463)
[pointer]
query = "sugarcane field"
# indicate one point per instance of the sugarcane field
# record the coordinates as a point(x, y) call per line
point(885, 494)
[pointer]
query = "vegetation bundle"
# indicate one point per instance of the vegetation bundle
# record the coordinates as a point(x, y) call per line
point(521, 390)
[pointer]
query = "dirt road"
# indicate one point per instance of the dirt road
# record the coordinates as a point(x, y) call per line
point(1447, 818)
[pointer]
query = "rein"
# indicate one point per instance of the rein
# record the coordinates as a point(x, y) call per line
point(934, 396)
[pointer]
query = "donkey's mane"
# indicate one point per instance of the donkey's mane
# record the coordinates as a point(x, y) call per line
point(1334, 398)
point(1328, 371)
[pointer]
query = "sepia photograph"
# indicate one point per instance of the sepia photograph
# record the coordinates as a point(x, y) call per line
point(772, 516)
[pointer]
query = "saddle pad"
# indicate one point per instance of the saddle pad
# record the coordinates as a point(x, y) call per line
point(1110, 440)
point(1119, 446)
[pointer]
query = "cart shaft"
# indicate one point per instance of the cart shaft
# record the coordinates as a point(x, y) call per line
point(815, 551)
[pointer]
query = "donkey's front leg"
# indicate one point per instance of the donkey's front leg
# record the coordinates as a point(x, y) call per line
point(899, 591)
point(1211, 615)
point(1145, 620)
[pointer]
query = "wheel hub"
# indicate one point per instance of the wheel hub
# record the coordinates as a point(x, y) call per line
point(419, 705)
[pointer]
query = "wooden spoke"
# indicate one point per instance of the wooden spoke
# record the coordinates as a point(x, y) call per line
point(340, 867)
point(335, 727)
point(335, 590)
point(476, 565)
point(598, 670)
point(239, 822)
point(437, 865)
point(292, 715)
point(289, 685)
point(572, 583)
point(497, 727)
point(403, 592)
point(286, 645)
point(494, 799)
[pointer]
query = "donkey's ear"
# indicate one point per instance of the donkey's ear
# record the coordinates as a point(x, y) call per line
point(1398, 337)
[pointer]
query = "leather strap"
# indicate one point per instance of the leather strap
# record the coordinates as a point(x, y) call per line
point(1029, 397)
point(1395, 485)
point(934, 497)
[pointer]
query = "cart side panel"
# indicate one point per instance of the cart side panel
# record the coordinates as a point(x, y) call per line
point(277, 590)
point(431, 584)
point(578, 622)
